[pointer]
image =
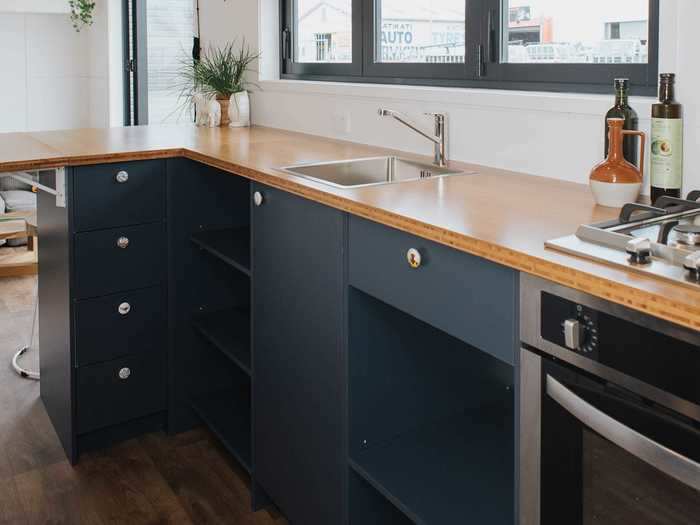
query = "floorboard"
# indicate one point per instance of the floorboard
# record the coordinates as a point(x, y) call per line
point(188, 479)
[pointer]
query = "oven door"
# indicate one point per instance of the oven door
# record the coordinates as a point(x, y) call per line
point(595, 453)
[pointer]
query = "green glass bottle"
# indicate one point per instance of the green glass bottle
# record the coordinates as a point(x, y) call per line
point(622, 110)
point(666, 142)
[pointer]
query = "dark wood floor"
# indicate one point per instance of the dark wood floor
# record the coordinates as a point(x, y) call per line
point(155, 479)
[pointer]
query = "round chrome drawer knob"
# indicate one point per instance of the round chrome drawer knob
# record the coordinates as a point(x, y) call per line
point(124, 308)
point(124, 373)
point(123, 242)
point(258, 198)
point(413, 257)
point(121, 177)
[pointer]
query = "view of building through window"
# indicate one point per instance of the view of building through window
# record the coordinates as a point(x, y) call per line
point(169, 35)
point(323, 31)
point(433, 31)
point(421, 31)
point(595, 32)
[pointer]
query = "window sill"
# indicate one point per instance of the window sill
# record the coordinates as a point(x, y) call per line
point(565, 103)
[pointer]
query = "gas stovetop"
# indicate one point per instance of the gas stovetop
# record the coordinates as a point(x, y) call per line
point(662, 240)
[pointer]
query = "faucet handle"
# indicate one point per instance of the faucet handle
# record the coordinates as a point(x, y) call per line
point(439, 120)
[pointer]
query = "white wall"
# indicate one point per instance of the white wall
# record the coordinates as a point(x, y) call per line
point(54, 77)
point(551, 135)
point(34, 6)
point(45, 73)
point(105, 70)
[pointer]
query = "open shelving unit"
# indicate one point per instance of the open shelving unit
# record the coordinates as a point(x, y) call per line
point(453, 467)
point(210, 284)
point(227, 414)
point(431, 423)
point(231, 245)
point(228, 331)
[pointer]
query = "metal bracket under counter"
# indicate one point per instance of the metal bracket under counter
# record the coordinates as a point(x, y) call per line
point(59, 191)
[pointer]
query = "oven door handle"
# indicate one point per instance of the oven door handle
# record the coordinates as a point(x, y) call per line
point(664, 459)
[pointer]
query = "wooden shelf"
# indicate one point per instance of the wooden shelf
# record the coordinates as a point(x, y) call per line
point(231, 246)
point(227, 414)
point(446, 472)
point(228, 331)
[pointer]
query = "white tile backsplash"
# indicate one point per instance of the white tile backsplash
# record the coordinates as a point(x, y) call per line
point(54, 48)
point(58, 103)
point(45, 73)
point(13, 84)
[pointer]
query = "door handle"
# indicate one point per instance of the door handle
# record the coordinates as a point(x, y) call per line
point(490, 36)
point(664, 459)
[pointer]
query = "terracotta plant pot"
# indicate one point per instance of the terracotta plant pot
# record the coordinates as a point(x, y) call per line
point(615, 181)
point(224, 111)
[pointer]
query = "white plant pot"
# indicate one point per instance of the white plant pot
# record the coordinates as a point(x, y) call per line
point(239, 110)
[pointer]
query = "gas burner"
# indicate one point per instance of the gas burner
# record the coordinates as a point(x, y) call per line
point(688, 234)
point(662, 240)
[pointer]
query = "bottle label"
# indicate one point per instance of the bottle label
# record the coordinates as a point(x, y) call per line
point(667, 153)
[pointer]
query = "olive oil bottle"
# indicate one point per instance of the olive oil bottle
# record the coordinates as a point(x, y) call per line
point(622, 110)
point(666, 142)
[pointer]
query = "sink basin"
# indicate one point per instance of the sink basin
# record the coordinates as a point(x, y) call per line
point(356, 173)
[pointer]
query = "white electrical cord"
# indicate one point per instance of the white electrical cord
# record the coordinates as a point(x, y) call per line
point(23, 372)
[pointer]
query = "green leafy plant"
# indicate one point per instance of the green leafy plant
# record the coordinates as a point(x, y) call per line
point(81, 13)
point(219, 73)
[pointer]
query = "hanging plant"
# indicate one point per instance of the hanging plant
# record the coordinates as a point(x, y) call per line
point(81, 13)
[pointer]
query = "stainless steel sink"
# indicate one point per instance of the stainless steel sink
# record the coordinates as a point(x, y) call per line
point(356, 173)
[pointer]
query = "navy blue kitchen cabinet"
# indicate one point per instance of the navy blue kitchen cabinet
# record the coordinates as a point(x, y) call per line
point(298, 355)
point(432, 341)
point(361, 375)
point(102, 324)
point(209, 304)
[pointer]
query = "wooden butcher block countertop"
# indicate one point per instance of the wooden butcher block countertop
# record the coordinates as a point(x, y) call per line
point(502, 216)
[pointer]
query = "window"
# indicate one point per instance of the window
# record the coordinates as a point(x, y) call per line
point(169, 33)
point(158, 36)
point(553, 45)
point(420, 32)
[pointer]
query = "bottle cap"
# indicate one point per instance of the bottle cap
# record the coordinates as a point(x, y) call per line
point(622, 83)
point(668, 77)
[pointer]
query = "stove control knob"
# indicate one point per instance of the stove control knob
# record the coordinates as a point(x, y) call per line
point(573, 334)
point(639, 250)
point(692, 264)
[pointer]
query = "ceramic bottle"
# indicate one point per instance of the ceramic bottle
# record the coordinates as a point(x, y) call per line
point(615, 181)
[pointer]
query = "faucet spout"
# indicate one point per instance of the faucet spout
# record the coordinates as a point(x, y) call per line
point(439, 139)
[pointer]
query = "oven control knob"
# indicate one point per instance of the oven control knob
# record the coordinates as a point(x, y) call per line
point(639, 250)
point(573, 334)
point(692, 264)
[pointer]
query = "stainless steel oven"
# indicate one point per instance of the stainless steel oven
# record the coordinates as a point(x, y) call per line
point(609, 413)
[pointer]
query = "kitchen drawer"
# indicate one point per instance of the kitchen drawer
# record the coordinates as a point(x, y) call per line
point(466, 296)
point(118, 391)
point(124, 323)
point(103, 267)
point(101, 201)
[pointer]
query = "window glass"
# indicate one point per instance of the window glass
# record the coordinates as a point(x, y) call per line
point(323, 31)
point(421, 31)
point(169, 35)
point(591, 32)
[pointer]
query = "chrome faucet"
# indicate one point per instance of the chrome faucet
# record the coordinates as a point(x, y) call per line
point(439, 139)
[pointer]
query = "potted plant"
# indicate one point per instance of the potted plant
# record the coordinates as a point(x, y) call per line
point(220, 74)
point(81, 13)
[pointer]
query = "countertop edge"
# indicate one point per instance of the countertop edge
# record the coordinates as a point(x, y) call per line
point(646, 302)
point(635, 298)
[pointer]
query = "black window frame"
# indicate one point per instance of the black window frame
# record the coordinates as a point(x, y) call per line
point(135, 59)
point(482, 68)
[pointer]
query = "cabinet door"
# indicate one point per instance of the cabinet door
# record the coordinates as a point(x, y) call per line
point(298, 356)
